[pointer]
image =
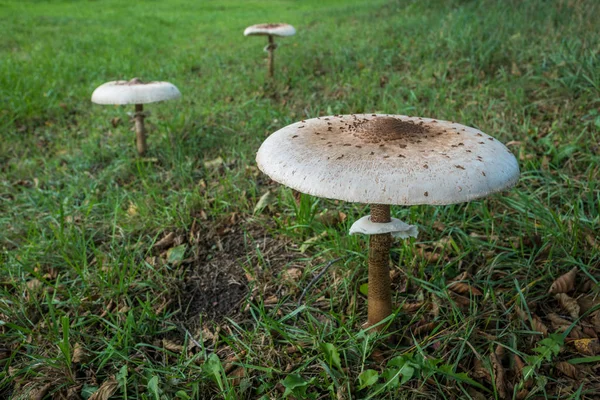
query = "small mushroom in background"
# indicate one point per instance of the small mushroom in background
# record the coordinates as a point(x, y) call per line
point(139, 93)
point(383, 160)
point(270, 30)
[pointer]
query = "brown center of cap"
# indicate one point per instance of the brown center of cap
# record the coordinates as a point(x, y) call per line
point(386, 129)
point(269, 26)
point(134, 81)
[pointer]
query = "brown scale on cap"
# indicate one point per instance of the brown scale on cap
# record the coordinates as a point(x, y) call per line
point(269, 26)
point(387, 129)
point(134, 81)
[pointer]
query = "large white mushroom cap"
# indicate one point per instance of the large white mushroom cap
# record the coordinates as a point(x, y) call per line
point(387, 159)
point(278, 29)
point(134, 92)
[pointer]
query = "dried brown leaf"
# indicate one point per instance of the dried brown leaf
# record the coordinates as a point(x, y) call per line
point(34, 284)
point(480, 372)
point(595, 320)
point(519, 366)
point(165, 242)
point(331, 217)
point(500, 352)
point(522, 394)
point(411, 307)
point(568, 304)
point(564, 283)
point(236, 375)
point(292, 274)
point(107, 389)
point(422, 328)
point(172, 346)
point(567, 369)
point(464, 288)
point(538, 326)
point(79, 354)
point(499, 379)
point(589, 332)
point(462, 301)
point(214, 163)
point(589, 347)
point(475, 395)
point(557, 322)
point(588, 302)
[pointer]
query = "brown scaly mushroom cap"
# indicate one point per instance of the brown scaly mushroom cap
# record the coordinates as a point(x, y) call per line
point(387, 159)
point(134, 91)
point(278, 29)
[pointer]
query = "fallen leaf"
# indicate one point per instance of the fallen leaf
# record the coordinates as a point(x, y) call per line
point(34, 284)
point(236, 375)
point(595, 320)
point(557, 322)
point(79, 354)
point(422, 327)
point(411, 307)
point(588, 302)
point(464, 288)
point(500, 352)
point(480, 371)
point(567, 369)
point(107, 389)
point(475, 395)
point(176, 254)
point(569, 304)
point(40, 393)
point(522, 394)
point(589, 347)
point(172, 346)
point(330, 217)
point(265, 200)
point(460, 300)
point(498, 376)
point(560, 325)
point(309, 242)
point(214, 163)
point(564, 283)
point(538, 326)
point(292, 274)
point(439, 226)
point(165, 242)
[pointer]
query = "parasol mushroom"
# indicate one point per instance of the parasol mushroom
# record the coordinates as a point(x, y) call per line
point(270, 30)
point(139, 93)
point(383, 160)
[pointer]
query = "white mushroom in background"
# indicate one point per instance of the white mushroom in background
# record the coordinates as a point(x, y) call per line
point(383, 160)
point(139, 93)
point(270, 30)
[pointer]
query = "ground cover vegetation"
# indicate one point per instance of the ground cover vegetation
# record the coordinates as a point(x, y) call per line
point(188, 274)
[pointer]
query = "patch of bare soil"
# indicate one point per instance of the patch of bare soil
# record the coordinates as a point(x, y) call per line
point(229, 259)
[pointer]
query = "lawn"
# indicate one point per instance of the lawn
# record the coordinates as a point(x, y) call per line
point(187, 273)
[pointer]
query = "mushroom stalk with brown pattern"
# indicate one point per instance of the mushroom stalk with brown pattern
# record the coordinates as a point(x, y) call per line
point(383, 160)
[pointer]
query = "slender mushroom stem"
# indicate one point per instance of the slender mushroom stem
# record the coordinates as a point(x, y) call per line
point(379, 293)
point(140, 130)
point(271, 49)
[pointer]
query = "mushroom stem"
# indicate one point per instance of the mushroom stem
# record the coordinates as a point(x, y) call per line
point(379, 293)
point(271, 60)
point(140, 130)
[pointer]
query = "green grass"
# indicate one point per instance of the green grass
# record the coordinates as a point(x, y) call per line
point(80, 214)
